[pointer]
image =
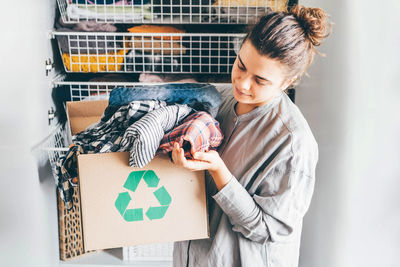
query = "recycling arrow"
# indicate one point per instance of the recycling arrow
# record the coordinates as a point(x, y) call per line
point(131, 183)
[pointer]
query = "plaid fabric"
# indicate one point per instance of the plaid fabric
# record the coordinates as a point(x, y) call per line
point(199, 132)
point(143, 137)
point(67, 174)
point(106, 135)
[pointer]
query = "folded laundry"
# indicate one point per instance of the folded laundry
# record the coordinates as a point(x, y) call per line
point(157, 29)
point(143, 137)
point(136, 61)
point(244, 11)
point(94, 62)
point(199, 96)
point(86, 44)
point(135, 13)
point(150, 44)
point(86, 26)
point(198, 132)
point(93, 26)
point(108, 2)
point(278, 5)
point(238, 14)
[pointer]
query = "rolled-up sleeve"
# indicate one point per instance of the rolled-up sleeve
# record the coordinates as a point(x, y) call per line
point(267, 217)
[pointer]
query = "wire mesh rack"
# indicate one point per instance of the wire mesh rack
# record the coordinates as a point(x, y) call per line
point(167, 11)
point(155, 252)
point(87, 91)
point(148, 52)
point(56, 146)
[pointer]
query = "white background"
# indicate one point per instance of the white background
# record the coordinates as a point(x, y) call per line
point(350, 100)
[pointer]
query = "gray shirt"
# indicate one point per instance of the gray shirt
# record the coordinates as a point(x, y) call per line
point(256, 219)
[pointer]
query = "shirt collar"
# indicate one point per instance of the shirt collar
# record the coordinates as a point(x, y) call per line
point(258, 111)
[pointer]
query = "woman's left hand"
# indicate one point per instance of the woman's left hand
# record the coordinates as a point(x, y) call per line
point(202, 160)
point(210, 161)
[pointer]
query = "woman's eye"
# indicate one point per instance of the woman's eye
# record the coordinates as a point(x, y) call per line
point(260, 82)
point(241, 67)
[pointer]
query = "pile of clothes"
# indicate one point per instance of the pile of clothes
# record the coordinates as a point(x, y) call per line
point(136, 10)
point(151, 48)
point(244, 11)
point(90, 53)
point(110, 10)
point(146, 121)
point(219, 11)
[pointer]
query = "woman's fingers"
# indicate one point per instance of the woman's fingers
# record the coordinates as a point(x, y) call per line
point(196, 165)
point(200, 156)
point(202, 160)
point(178, 155)
point(206, 156)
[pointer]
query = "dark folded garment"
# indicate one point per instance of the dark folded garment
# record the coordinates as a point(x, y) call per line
point(136, 61)
point(199, 96)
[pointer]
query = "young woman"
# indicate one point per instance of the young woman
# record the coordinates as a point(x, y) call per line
point(260, 182)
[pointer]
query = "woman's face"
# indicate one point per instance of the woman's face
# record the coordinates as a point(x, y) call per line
point(256, 79)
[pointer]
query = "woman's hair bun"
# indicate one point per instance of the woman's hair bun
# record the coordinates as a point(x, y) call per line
point(314, 22)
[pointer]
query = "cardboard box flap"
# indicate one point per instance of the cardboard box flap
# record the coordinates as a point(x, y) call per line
point(82, 114)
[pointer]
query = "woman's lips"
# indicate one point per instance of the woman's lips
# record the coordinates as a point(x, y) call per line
point(240, 93)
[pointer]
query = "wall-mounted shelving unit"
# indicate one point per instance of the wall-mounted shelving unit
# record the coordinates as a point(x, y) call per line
point(207, 52)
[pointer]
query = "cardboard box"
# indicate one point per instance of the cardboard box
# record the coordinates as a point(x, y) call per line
point(125, 206)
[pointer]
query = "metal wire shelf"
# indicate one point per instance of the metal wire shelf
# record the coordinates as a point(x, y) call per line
point(86, 91)
point(148, 52)
point(168, 11)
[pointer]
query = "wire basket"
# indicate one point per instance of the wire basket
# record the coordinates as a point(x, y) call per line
point(148, 52)
point(86, 91)
point(156, 252)
point(168, 11)
point(69, 221)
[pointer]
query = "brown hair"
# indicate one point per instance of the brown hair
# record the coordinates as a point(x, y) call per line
point(291, 36)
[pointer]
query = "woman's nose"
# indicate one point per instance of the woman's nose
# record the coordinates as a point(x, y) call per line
point(244, 82)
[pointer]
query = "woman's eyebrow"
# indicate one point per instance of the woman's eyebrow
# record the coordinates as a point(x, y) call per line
point(259, 77)
point(262, 78)
point(241, 62)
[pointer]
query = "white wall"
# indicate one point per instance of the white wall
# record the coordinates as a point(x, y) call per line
point(351, 103)
point(28, 221)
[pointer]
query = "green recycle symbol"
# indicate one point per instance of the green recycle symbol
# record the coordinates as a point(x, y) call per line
point(131, 183)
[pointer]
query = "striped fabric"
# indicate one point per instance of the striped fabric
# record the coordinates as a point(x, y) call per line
point(199, 132)
point(106, 135)
point(143, 137)
point(137, 127)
